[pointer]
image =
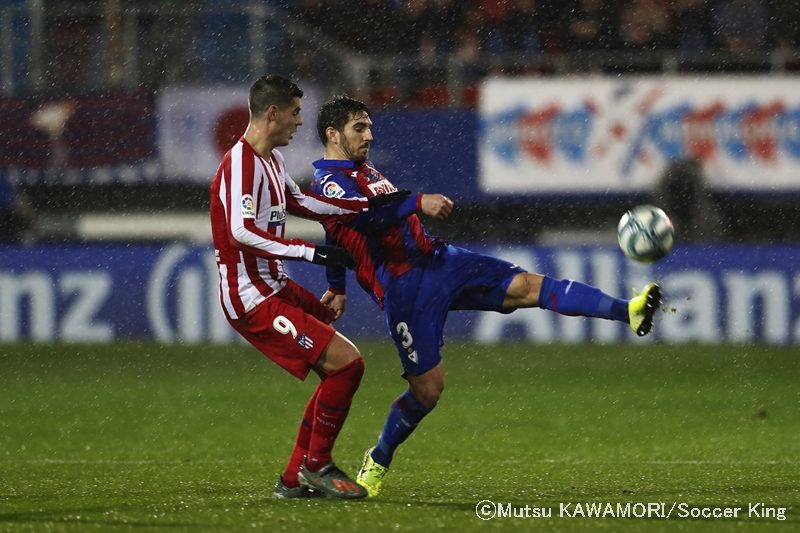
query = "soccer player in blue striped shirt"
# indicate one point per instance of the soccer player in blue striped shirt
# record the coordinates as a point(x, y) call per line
point(417, 279)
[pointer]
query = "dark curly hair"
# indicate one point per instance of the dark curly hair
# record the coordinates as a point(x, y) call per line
point(336, 112)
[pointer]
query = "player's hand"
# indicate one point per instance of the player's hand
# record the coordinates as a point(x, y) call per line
point(335, 302)
point(437, 206)
point(387, 198)
point(332, 255)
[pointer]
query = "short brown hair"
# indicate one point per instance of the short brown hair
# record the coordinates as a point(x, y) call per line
point(272, 90)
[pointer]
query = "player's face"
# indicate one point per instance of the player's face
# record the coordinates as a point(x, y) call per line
point(357, 138)
point(286, 121)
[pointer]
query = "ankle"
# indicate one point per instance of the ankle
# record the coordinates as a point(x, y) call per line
point(290, 482)
point(315, 464)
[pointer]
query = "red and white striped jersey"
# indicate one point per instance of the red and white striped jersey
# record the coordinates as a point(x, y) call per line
point(250, 196)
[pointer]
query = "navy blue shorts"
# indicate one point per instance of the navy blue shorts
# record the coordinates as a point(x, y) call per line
point(416, 304)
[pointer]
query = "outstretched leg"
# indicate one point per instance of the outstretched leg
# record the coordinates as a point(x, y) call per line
point(574, 298)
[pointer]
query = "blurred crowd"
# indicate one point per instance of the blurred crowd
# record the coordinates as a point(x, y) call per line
point(410, 46)
point(421, 40)
point(465, 28)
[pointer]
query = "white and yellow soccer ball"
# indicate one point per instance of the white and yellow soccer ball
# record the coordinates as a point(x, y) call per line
point(645, 233)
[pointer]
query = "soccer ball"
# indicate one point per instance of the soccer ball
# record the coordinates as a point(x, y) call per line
point(645, 233)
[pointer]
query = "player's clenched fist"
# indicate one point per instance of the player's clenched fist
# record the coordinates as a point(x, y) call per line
point(437, 205)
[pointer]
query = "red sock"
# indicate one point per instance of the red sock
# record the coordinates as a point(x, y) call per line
point(289, 476)
point(333, 403)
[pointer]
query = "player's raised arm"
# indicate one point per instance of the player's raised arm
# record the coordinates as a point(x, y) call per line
point(306, 204)
point(310, 205)
point(388, 207)
point(398, 206)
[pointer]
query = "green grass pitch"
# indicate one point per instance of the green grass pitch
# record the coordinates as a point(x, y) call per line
point(191, 438)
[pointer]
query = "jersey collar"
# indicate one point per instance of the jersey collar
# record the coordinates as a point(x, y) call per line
point(333, 163)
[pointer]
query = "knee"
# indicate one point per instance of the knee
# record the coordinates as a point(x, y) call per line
point(429, 392)
point(524, 289)
point(339, 354)
point(357, 367)
point(351, 354)
point(352, 361)
point(352, 372)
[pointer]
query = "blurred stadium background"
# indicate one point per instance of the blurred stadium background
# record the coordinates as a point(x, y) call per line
point(123, 403)
point(543, 120)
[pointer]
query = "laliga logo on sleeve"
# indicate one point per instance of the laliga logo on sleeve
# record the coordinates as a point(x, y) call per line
point(332, 190)
point(248, 206)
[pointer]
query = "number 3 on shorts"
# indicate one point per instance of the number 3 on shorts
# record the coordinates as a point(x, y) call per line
point(402, 330)
point(284, 325)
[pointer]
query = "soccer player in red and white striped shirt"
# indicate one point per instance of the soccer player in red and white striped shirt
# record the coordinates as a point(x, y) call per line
point(250, 196)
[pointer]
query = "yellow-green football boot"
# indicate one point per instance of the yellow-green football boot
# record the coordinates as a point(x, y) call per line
point(642, 307)
point(371, 474)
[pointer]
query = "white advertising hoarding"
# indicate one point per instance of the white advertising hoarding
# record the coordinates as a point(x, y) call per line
point(197, 125)
point(603, 134)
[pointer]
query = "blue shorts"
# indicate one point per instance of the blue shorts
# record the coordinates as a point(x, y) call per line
point(416, 304)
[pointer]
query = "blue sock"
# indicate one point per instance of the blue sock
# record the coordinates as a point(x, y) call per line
point(405, 414)
point(572, 298)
